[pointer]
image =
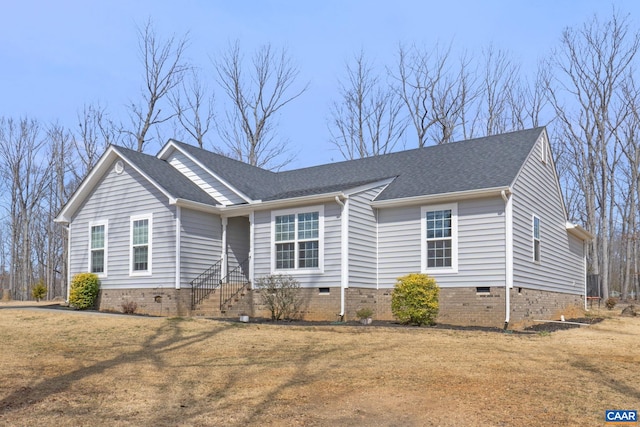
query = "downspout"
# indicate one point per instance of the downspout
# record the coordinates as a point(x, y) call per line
point(344, 262)
point(178, 246)
point(251, 248)
point(508, 283)
point(584, 274)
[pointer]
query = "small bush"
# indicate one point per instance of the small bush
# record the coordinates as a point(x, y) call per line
point(414, 299)
point(364, 313)
point(610, 303)
point(129, 307)
point(281, 295)
point(84, 290)
point(39, 291)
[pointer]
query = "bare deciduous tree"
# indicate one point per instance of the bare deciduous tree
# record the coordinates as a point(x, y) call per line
point(256, 97)
point(164, 67)
point(366, 122)
point(194, 108)
point(591, 66)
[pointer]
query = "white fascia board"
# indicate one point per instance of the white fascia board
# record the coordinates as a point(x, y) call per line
point(196, 205)
point(240, 210)
point(579, 232)
point(441, 198)
point(164, 153)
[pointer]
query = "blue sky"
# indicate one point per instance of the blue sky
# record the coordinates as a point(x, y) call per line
point(56, 56)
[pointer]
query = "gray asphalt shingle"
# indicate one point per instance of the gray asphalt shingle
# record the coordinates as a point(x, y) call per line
point(480, 163)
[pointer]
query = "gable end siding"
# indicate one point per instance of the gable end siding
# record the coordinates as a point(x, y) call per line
point(561, 267)
point(481, 244)
point(116, 198)
point(203, 179)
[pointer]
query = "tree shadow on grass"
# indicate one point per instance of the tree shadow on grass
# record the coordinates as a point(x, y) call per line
point(166, 338)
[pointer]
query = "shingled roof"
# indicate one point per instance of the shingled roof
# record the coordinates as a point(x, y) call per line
point(488, 162)
point(481, 163)
point(167, 177)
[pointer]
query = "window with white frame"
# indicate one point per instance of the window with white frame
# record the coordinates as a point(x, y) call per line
point(440, 238)
point(98, 248)
point(141, 227)
point(536, 239)
point(297, 239)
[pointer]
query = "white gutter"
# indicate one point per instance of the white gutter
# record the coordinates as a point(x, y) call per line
point(344, 259)
point(441, 198)
point(508, 283)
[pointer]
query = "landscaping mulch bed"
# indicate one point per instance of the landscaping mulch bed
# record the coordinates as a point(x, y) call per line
point(560, 326)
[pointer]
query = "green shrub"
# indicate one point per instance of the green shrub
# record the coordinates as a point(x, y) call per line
point(281, 295)
point(610, 303)
point(39, 291)
point(364, 313)
point(84, 290)
point(414, 299)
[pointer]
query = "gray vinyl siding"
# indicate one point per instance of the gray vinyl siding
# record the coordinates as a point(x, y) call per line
point(203, 179)
point(363, 240)
point(115, 199)
point(201, 243)
point(561, 267)
point(330, 277)
point(237, 240)
point(481, 248)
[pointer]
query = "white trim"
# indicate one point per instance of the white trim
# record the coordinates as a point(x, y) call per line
point(164, 154)
point(508, 231)
point(149, 270)
point(68, 227)
point(105, 248)
point(296, 211)
point(533, 239)
point(178, 245)
point(251, 248)
point(344, 260)
point(454, 238)
point(224, 222)
point(444, 198)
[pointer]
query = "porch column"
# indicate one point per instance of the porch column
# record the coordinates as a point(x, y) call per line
point(224, 247)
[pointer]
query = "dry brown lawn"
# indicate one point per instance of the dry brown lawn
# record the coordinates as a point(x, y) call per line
point(71, 368)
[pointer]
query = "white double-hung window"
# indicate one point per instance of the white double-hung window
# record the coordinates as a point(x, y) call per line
point(140, 255)
point(439, 226)
point(297, 239)
point(98, 248)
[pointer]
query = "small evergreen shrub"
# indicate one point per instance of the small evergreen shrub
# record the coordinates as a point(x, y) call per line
point(129, 307)
point(84, 290)
point(39, 291)
point(281, 294)
point(364, 313)
point(414, 299)
point(610, 303)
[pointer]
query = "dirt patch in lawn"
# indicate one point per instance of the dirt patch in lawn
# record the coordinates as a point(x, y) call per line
point(70, 368)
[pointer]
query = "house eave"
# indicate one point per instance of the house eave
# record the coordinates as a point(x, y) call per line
point(190, 204)
point(441, 198)
point(281, 203)
point(579, 232)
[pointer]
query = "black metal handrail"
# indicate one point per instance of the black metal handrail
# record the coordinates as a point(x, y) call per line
point(233, 284)
point(205, 283)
